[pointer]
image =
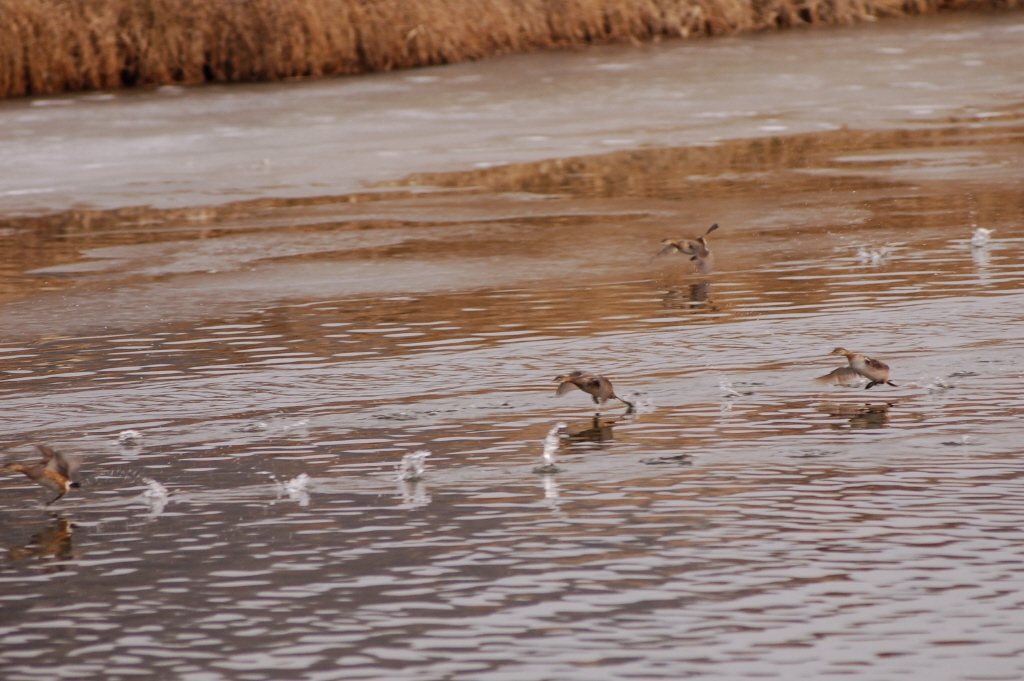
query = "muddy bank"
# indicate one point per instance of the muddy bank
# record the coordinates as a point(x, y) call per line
point(49, 46)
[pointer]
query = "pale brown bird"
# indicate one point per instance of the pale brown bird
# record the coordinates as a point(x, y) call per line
point(54, 472)
point(876, 372)
point(598, 387)
point(697, 249)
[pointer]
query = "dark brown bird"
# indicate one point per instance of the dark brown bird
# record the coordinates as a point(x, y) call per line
point(876, 372)
point(54, 472)
point(697, 249)
point(598, 387)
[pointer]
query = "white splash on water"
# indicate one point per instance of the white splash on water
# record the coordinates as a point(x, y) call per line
point(155, 496)
point(298, 425)
point(129, 438)
point(726, 387)
point(551, 442)
point(641, 405)
point(296, 489)
point(873, 257)
point(412, 466)
point(981, 237)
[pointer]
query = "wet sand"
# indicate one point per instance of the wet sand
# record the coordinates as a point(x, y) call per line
point(279, 357)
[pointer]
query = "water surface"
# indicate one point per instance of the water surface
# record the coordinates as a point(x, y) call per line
point(279, 356)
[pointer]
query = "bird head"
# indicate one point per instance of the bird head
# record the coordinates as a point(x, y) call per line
point(841, 351)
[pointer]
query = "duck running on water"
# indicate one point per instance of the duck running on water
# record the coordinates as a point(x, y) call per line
point(598, 387)
point(55, 471)
point(876, 372)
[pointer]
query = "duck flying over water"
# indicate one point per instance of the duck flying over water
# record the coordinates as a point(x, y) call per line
point(54, 472)
point(876, 372)
point(598, 387)
point(697, 249)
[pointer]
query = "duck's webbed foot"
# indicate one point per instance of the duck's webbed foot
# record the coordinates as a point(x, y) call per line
point(892, 384)
point(871, 385)
point(54, 499)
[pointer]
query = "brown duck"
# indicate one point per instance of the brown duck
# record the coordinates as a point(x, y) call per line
point(598, 387)
point(697, 249)
point(876, 372)
point(54, 472)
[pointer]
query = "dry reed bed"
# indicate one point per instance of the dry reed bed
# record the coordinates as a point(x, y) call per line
point(49, 46)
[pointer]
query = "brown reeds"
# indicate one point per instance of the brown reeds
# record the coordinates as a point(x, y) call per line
point(49, 46)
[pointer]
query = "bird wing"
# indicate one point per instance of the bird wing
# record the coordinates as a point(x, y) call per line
point(665, 251)
point(700, 247)
point(565, 387)
point(841, 376)
point(59, 462)
point(49, 455)
point(604, 389)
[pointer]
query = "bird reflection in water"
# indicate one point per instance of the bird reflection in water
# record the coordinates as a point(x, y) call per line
point(858, 416)
point(696, 297)
point(598, 429)
point(53, 542)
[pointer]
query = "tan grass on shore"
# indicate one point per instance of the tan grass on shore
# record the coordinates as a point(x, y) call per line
point(49, 46)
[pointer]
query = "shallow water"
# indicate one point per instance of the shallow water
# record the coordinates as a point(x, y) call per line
point(278, 359)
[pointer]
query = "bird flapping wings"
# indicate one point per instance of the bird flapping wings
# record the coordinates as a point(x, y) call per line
point(841, 376)
point(565, 387)
point(604, 389)
point(59, 462)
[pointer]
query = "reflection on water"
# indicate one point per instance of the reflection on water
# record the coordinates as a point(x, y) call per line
point(746, 520)
point(858, 416)
point(53, 542)
point(697, 296)
point(599, 429)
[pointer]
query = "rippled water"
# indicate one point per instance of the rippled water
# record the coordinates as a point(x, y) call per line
point(278, 359)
